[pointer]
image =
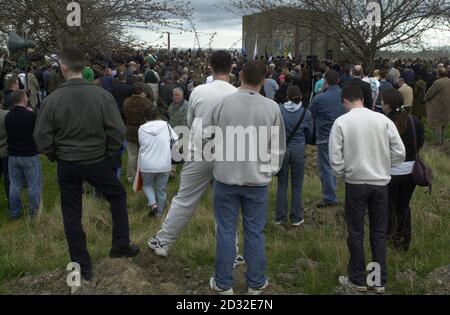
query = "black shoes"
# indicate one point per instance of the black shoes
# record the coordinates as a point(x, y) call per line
point(129, 251)
point(87, 276)
point(153, 211)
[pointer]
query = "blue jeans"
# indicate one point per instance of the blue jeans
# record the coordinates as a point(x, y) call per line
point(24, 169)
point(155, 188)
point(293, 160)
point(329, 184)
point(254, 204)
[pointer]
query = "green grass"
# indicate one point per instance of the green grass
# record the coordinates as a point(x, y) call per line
point(33, 247)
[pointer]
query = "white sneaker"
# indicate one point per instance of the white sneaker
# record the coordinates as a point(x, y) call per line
point(219, 291)
point(239, 261)
point(380, 290)
point(258, 291)
point(345, 281)
point(297, 224)
point(75, 290)
point(159, 249)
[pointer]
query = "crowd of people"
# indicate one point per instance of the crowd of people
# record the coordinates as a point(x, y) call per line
point(367, 124)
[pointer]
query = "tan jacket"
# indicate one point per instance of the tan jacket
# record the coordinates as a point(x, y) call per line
point(33, 86)
point(438, 103)
point(135, 107)
point(408, 95)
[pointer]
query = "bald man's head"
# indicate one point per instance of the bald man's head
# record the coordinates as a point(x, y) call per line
point(442, 72)
point(357, 71)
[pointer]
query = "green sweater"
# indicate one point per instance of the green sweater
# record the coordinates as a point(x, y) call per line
point(178, 114)
point(80, 123)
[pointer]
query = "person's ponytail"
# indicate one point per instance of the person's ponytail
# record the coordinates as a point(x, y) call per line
point(401, 120)
point(395, 100)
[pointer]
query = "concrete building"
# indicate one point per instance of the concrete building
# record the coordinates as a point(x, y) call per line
point(271, 31)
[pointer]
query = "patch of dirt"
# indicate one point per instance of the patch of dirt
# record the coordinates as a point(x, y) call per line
point(349, 290)
point(151, 275)
point(147, 274)
point(438, 282)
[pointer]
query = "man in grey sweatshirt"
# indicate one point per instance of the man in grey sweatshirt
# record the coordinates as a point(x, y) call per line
point(196, 175)
point(364, 145)
point(247, 155)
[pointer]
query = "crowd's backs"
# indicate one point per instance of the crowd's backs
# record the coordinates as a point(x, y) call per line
point(188, 69)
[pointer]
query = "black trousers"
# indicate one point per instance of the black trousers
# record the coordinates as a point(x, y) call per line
point(103, 179)
point(401, 190)
point(360, 198)
point(4, 171)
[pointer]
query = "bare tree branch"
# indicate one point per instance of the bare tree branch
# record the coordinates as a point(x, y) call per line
point(403, 22)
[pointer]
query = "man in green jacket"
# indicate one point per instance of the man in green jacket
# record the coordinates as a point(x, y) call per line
point(80, 127)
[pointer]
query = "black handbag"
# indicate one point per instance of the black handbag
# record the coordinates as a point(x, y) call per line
point(177, 157)
point(422, 174)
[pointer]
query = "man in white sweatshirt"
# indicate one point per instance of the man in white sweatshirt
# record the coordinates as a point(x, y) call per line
point(197, 174)
point(364, 145)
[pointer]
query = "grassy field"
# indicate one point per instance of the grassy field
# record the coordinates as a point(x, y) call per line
point(32, 247)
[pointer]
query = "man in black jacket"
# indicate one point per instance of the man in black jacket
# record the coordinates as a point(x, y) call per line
point(24, 164)
point(121, 91)
point(80, 127)
point(357, 74)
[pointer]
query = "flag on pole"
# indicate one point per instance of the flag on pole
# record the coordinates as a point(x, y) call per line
point(255, 53)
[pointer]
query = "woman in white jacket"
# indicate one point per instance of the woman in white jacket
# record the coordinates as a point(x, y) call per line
point(155, 159)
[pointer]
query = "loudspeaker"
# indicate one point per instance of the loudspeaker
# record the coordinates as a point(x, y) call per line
point(329, 55)
point(16, 42)
point(311, 61)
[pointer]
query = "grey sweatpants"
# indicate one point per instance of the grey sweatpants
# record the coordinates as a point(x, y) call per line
point(195, 179)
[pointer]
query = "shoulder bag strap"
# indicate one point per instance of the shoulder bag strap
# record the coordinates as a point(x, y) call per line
point(413, 125)
point(291, 136)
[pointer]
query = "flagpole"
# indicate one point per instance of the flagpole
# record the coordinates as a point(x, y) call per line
point(255, 53)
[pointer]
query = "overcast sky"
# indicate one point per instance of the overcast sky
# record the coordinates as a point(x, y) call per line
point(210, 17)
